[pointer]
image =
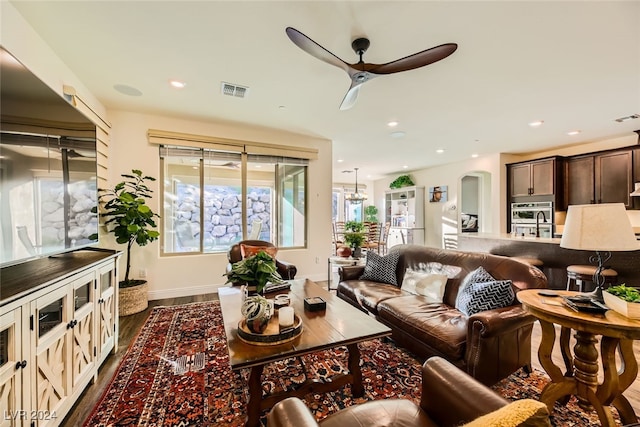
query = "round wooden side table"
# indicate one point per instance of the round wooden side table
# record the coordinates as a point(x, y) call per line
point(581, 375)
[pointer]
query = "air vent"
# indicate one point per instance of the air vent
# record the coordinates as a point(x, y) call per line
point(231, 89)
point(631, 117)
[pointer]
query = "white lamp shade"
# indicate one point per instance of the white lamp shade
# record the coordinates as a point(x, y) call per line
point(601, 227)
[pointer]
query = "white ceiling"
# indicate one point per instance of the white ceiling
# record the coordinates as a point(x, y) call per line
point(574, 64)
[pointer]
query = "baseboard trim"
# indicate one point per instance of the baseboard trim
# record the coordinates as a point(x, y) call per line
point(183, 292)
point(205, 289)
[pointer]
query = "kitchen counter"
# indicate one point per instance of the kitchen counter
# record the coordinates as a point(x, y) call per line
point(548, 250)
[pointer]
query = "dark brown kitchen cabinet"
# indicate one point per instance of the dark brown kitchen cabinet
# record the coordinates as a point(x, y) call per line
point(536, 178)
point(600, 178)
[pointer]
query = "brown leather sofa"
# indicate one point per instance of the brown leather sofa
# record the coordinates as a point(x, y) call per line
point(449, 398)
point(489, 345)
point(287, 270)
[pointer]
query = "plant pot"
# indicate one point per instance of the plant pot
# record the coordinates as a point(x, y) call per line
point(357, 252)
point(617, 304)
point(257, 311)
point(133, 299)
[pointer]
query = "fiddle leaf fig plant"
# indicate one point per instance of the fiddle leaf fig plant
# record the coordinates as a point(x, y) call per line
point(130, 219)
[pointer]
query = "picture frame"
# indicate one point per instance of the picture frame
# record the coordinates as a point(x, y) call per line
point(438, 194)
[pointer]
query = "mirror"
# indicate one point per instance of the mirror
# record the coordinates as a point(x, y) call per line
point(48, 169)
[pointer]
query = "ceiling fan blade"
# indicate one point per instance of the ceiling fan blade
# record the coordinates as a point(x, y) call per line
point(351, 96)
point(416, 60)
point(314, 49)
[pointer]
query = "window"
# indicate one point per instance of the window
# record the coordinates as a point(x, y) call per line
point(213, 199)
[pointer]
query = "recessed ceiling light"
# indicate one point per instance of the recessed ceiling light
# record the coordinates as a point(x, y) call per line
point(398, 134)
point(440, 150)
point(177, 84)
point(368, 176)
point(340, 160)
point(474, 155)
point(573, 132)
point(536, 123)
point(405, 167)
point(258, 166)
point(392, 124)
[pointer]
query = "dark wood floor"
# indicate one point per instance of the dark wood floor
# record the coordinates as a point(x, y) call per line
point(130, 326)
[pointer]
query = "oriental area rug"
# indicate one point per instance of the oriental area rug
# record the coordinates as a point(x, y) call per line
point(176, 373)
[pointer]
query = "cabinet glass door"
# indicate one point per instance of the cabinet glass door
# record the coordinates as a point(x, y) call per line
point(50, 316)
point(10, 375)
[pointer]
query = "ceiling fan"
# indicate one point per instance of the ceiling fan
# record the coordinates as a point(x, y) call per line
point(362, 72)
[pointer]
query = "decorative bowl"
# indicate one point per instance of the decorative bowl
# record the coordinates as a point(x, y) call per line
point(617, 304)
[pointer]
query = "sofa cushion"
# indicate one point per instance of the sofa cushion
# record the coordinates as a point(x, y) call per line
point(439, 326)
point(368, 294)
point(251, 250)
point(520, 413)
point(381, 268)
point(482, 296)
point(429, 285)
point(478, 275)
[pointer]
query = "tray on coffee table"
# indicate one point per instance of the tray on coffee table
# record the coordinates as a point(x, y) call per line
point(273, 334)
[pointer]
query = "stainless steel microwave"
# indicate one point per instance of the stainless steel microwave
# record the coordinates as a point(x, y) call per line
point(525, 213)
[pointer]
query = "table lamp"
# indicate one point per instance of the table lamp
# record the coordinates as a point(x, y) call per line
point(603, 228)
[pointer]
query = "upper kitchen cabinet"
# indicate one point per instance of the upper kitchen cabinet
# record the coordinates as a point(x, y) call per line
point(535, 178)
point(600, 178)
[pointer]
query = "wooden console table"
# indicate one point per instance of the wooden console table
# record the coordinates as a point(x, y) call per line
point(581, 375)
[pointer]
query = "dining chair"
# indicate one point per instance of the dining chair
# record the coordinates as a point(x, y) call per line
point(384, 236)
point(338, 235)
point(372, 237)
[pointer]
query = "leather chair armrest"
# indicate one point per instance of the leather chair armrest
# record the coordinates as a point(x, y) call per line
point(286, 269)
point(452, 397)
point(350, 272)
point(498, 321)
point(291, 412)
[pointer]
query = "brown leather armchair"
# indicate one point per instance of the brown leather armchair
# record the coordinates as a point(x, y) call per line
point(450, 397)
point(287, 270)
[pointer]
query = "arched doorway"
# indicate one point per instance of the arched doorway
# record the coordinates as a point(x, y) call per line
point(475, 202)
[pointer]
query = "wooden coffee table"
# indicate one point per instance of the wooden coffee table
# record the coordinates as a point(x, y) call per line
point(340, 324)
point(580, 377)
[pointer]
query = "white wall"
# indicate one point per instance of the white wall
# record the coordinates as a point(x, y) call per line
point(183, 275)
point(193, 274)
point(439, 216)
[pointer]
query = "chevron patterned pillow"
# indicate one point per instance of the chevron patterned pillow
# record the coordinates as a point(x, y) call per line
point(482, 296)
point(381, 268)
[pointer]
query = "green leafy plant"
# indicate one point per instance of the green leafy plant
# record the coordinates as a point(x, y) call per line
point(129, 217)
point(370, 213)
point(354, 234)
point(258, 269)
point(626, 293)
point(402, 181)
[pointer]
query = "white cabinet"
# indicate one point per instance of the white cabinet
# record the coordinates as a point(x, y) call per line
point(53, 337)
point(404, 210)
point(13, 366)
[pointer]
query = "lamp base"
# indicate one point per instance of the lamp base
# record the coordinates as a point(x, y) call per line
point(596, 294)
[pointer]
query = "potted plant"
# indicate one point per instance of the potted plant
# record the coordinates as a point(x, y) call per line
point(624, 300)
point(370, 213)
point(255, 271)
point(132, 222)
point(257, 311)
point(354, 236)
point(402, 181)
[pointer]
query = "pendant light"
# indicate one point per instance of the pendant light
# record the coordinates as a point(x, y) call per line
point(356, 197)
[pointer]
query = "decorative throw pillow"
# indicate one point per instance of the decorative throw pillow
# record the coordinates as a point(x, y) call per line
point(482, 296)
point(381, 268)
point(519, 413)
point(249, 250)
point(478, 275)
point(430, 285)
